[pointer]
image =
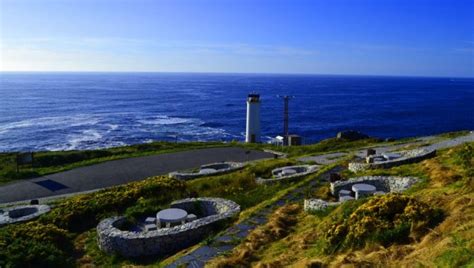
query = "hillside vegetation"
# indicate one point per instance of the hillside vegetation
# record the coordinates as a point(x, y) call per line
point(429, 225)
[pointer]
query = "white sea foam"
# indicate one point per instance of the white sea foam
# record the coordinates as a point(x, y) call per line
point(50, 122)
point(165, 120)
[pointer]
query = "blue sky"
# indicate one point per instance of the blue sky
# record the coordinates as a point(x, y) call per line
point(379, 37)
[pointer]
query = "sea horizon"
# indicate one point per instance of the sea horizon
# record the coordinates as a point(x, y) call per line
point(237, 73)
point(76, 110)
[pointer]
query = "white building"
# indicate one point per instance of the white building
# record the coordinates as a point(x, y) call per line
point(252, 133)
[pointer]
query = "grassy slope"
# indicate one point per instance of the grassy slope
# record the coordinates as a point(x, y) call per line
point(447, 184)
point(139, 198)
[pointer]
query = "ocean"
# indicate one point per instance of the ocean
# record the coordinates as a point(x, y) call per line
point(70, 111)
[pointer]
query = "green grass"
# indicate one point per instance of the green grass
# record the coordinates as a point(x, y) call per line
point(454, 134)
point(324, 146)
point(77, 216)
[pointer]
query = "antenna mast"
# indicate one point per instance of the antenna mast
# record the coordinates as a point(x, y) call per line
point(286, 99)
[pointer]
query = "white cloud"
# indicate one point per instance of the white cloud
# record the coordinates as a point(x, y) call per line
point(114, 54)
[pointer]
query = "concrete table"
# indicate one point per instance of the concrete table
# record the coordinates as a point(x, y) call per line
point(363, 189)
point(171, 215)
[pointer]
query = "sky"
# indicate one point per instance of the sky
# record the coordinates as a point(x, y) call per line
point(367, 37)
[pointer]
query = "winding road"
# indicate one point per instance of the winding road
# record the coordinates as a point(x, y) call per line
point(121, 171)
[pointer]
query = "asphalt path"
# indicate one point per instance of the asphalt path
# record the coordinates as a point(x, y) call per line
point(121, 171)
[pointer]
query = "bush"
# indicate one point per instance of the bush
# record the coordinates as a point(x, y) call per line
point(388, 219)
point(465, 157)
point(82, 212)
point(35, 245)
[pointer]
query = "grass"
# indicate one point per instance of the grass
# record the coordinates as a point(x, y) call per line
point(277, 227)
point(324, 146)
point(446, 183)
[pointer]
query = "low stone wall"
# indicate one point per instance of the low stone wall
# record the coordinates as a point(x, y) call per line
point(166, 240)
point(309, 169)
point(382, 183)
point(22, 213)
point(276, 153)
point(407, 157)
point(193, 175)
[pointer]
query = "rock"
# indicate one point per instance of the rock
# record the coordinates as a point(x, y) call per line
point(351, 135)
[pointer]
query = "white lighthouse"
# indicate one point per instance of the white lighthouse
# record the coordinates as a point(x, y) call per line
point(252, 133)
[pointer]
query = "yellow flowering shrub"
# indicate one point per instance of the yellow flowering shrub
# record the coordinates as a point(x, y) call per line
point(33, 243)
point(84, 211)
point(383, 219)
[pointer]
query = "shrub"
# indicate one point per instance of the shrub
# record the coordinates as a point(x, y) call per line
point(35, 245)
point(278, 226)
point(465, 157)
point(384, 219)
point(82, 212)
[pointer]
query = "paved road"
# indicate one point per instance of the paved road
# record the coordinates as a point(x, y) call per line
point(121, 171)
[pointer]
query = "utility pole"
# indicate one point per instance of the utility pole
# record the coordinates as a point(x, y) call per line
point(286, 100)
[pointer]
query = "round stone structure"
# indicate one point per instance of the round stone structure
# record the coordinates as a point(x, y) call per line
point(211, 211)
point(22, 213)
point(288, 173)
point(382, 184)
point(207, 170)
point(389, 160)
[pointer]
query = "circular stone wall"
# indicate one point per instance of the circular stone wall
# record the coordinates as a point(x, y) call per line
point(220, 168)
point(301, 170)
point(22, 213)
point(166, 240)
point(387, 184)
point(407, 157)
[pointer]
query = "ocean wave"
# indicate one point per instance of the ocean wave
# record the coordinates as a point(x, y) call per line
point(50, 122)
point(165, 120)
